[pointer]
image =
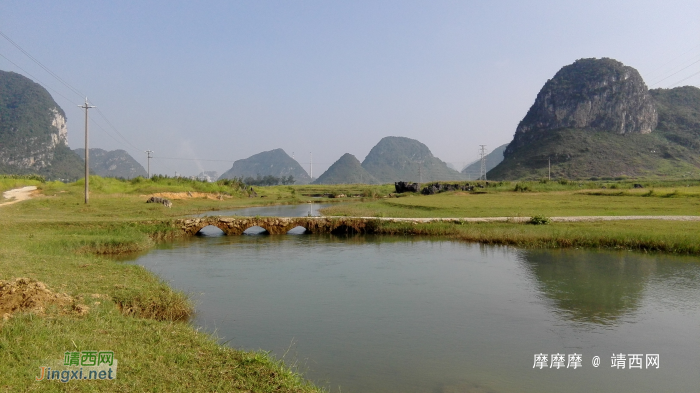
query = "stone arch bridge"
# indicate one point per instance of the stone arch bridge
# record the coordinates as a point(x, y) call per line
point(279, 225)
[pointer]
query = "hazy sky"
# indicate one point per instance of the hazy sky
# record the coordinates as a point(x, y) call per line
point(223, 80)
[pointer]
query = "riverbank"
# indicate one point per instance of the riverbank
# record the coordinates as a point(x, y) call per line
point(57, 243)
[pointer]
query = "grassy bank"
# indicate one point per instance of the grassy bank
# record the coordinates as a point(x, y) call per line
point(57, 240)
point(551, 199)
point(645, 236)
point(495, 202)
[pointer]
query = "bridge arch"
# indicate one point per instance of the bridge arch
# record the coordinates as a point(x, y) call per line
point(210, 230)
point(256, 230)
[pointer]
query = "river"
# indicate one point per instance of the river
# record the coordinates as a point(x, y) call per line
point(407, 314)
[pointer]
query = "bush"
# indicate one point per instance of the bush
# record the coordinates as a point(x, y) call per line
point(539, 220)
point(38, 178)
point(521, 188)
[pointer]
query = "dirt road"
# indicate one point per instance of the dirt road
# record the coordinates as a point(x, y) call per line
point(19, 194)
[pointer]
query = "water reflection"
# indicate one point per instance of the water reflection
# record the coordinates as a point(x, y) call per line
point(595, 287)
point(409, 314)
point(300, 210)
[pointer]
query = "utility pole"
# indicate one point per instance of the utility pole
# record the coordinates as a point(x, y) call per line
point(549, 164)
point(482, 151)
point(86, 106)
point(149, 152)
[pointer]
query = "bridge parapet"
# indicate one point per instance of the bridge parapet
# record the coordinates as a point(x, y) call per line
point(278, 225)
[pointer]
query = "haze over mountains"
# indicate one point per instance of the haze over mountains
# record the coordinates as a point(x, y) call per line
point(594, 118)
point(473, 170)
point(347, 170)
point(115, 163)
point(268, 163)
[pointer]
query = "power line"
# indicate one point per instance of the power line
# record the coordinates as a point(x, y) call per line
point(74, 90)
point(115, 129)
point(674, 59)
point(35, 78)
point(659, 81)
point(684, 79)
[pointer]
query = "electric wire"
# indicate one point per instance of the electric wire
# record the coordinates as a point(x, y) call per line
point(674, 59)
point(684, 79)
point(682, 69)
point(35, 78)
point(74, 90)
point(99, 112)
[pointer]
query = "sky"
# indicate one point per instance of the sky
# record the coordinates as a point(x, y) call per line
point(205, 83)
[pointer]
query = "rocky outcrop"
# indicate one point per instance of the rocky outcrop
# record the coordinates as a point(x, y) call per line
point(402, 186)
point(33, 132)
point(435, 188)
point(165, 202)
point(598, 94)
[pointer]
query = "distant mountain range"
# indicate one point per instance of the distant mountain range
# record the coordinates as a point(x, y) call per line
point(274, 162)
point(595, 118)
point(115, 163)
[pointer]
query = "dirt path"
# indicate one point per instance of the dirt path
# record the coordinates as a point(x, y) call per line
point(553, 219)
point(19, 194)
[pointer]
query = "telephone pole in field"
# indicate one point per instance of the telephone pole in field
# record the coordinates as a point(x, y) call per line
point(87, 106)
point(149, 152)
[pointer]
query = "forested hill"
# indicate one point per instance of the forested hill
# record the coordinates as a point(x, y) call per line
point(273, 163)
point(397, 158)
point(596, 118)
point(33, 131)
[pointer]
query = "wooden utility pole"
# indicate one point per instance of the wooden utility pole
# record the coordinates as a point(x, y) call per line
point(87, 106)
point(149, 152)
point(549, 164)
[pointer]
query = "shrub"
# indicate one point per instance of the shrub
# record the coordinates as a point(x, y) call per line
point(539, 220)
point(521, 188)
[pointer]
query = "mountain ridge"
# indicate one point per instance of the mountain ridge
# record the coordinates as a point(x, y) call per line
point(396, 158)
point(272, 162)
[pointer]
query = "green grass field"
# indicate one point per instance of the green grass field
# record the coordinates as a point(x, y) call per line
point(56, 239)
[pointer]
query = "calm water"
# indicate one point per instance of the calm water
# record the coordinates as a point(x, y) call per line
point(302, 210)
point(393, 314)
